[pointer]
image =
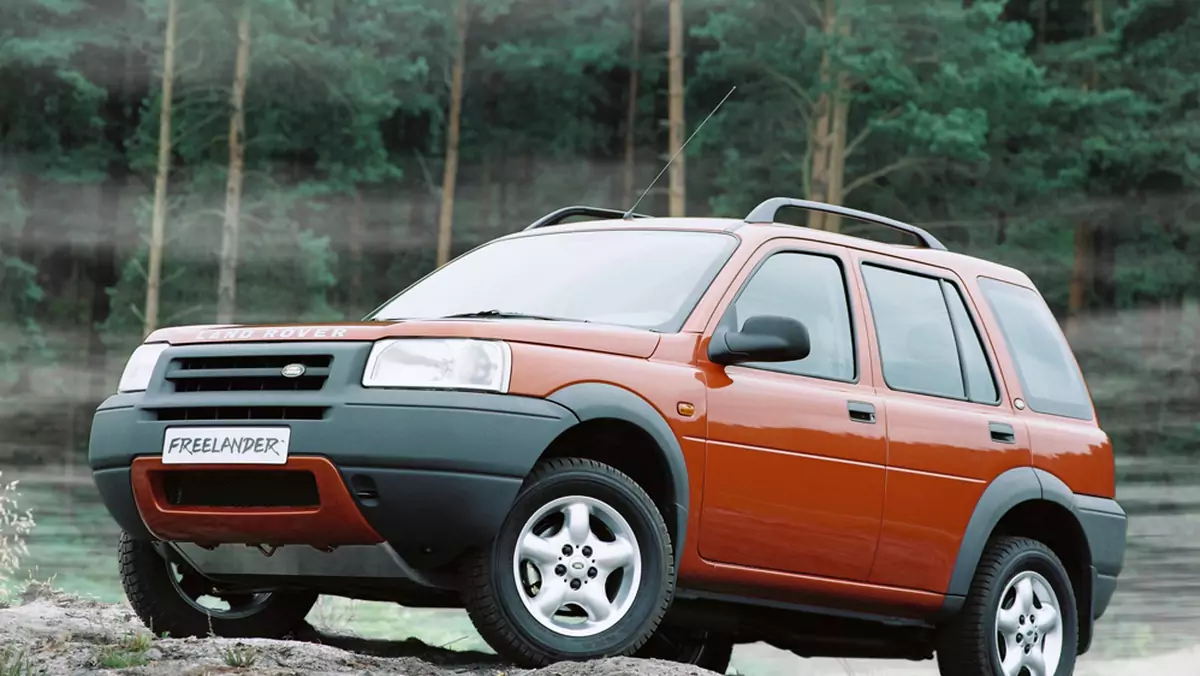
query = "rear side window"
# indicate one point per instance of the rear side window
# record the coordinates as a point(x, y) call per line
point(916, 338)
point(981, 385)
point(928, 343)
point(1049, 376)
point(812, 289)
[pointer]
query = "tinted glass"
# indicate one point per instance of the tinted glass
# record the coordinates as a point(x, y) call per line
point(916, 340)
point(640, 278)
point(981, 386)
point(1049, 376)
point(812, 289)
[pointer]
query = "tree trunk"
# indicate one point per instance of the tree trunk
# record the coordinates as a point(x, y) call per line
point(678, 195)
point(504, 191)
point(356, 250)
point(1082, 267)
point(450, 177)
point(157, 225)
point(631, 114)
point(1097, 30)
point(487, 192)
point(820, 139)
point(227, 283)
point(1043, 16)
point(1081, 274)
point(837, 152)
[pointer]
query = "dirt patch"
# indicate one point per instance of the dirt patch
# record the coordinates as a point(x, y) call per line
point(48, 632)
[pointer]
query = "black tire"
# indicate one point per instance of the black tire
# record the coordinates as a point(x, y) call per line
point(968, 643)
point(493, 599)
point(162, 606)
point(701, 649)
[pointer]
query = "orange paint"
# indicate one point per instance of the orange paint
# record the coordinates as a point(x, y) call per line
point(336, 521)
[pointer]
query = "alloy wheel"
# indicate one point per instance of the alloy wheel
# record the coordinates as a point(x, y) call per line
point(1029, 633)
point(577, 566)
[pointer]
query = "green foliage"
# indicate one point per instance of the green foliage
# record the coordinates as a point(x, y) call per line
point(15, 661)
point(239, 656)
point(130, 651)
point(1000, 135)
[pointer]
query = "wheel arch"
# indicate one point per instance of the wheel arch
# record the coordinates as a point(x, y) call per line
point(1029, 502)
point(597, 404)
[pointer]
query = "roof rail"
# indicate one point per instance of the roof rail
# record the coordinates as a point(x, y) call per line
point(556, 217)
point(765, 213)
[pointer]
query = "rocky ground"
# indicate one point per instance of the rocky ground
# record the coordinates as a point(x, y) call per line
point(47, 632)
point(51, 633)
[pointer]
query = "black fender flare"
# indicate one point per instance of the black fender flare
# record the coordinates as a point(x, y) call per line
point(594, 401)
point(1006, 491)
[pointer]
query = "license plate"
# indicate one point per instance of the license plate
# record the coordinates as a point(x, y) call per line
point(226, 445)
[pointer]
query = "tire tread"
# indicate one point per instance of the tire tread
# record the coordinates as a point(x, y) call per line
point(964, 643)
point(154, 600)
point(483, 606)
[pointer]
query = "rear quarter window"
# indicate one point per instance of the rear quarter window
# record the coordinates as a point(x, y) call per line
point(1045, 365)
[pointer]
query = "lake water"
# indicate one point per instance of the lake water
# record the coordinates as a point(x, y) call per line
point(1156, 608)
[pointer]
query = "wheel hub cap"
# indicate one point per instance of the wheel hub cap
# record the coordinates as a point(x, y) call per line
point(1029, 635)
point(577, 566)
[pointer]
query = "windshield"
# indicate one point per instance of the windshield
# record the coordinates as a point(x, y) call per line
point(647, 279)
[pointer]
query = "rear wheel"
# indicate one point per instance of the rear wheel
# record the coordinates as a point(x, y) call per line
point(171, 598)
point(1019, 618)
point(581, 568)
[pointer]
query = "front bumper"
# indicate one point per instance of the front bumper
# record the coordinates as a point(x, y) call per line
point(430, 473)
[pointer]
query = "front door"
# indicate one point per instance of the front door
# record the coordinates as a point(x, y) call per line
point(794, 476)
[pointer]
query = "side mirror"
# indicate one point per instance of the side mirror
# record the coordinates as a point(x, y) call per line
point(764, 338)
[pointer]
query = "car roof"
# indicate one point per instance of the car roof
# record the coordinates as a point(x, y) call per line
point(754, 234)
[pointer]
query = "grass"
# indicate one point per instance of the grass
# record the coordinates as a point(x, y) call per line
point(130, 651)
point(15, 661)
point(74, 542)
point(240, 656)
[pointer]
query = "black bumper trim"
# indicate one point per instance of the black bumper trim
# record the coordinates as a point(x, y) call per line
point(116, 492)
point(1105, 526)
point(431, 517)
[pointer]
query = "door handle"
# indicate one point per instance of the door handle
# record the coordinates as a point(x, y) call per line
point(1002, 433)
point(861, 411)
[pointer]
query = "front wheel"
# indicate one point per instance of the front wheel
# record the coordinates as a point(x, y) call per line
point(171, 598)
point(702, 649)
point(581, 568)
point(1019, 619)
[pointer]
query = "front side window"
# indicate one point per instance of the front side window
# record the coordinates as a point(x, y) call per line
point(650, 279)
point(1047, 370)
point(916, 337)
point(812, 289)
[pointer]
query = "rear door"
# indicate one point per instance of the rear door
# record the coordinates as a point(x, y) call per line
point(949, 425)
point(796, 451)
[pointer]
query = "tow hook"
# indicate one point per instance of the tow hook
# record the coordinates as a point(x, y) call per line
point(267, 550)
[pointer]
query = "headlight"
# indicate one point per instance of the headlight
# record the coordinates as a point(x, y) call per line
point(140, 367)
point(452, 364)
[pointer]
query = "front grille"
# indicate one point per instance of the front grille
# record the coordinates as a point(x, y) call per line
point(257, 373)
point(240, 413)
point(234, 488)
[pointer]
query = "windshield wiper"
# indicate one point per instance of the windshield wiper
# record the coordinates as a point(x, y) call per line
point(502, 314)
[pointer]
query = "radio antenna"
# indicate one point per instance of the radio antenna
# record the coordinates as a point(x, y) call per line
point(650, 187)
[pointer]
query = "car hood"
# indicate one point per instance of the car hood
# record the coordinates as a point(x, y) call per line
point(593, 337)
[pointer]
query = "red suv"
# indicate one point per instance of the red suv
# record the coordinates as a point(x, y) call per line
point(642, 436)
